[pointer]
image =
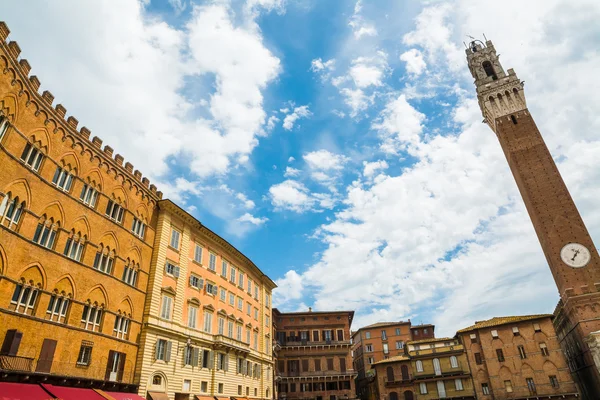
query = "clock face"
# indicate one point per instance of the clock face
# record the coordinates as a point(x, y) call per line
point(575, 255)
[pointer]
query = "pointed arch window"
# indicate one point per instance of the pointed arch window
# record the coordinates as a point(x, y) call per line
point(10, 211)
point(138, 227)
point(489, 69)
point(89, 195)
point(114, 211)
point(24, 299)
point(45, 233)
point(4, 124)
point(453, 362)
point(130, 273)
point(91, 318)
point(104, 260)
point(75, 245)
point(121, 328)
point(32, 156)
point(57, 308)
point(63, 178)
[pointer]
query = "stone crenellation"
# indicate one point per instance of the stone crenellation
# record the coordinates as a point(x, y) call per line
point(30, 85)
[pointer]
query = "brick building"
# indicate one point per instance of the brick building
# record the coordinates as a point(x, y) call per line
point(208, 327)
point(76, 239)
point(314, 357)
point(374, 343)
point(517, 358)
point(570, 252)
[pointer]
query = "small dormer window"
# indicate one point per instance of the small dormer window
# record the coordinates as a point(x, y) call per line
point(515, 331)
point(489, 70)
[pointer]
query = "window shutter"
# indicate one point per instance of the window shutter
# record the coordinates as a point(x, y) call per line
point(211, 360)
point(226, 363)
point(168, 351)
point(121, 366)
point(195, 356)
point(191, 280)
point(214, 290)
point(176, 272)
point(156, 350)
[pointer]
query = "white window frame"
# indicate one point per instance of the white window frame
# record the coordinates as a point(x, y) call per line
point(63, 179)
point(240, 303)
point(419, 365)
point(172, 269)
point(221, 326)
point(458, 385)
point(32, 156)
point(423, 388)
point(198, 253)
point(85, 354)
point(121, 327)
point(223, 294)
point(57, 308)
point(241, 279)
point(130, 273)
point(74, 247)
point(4, 124)
point(249, 281)
point(196, 281)
point(92, 319)
point(494, 334)
point(399, 344)
point(212, 261)
point(485, 388)
point(138, 227)
point(114, 211)
point(224, 266)
point(238, 332)
point(192, 316)
point(89, 195)
point(175, 239)
point(230, 329)
point(26, 298)
point(104, 261)
point(166, 308)
point(369, 348)
point(208, 322)
point(231, 299)
point(45, 234)
point(232, 274)
point(10, 211)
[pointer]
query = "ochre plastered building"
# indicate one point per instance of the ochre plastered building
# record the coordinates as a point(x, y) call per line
point(517, 358)
point(207, 321)
point(76, 237)
point(570, 252)
point(374, 343)
point(314, 358)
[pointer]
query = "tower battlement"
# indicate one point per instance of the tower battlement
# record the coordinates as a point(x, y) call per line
point(29, 86)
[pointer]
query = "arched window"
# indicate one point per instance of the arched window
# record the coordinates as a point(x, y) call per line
point(267, 393)
point(75, 245)
point(89, 195)
point(57, 308)
point(63, 178)
point(24, 298)
point(4, 124)
point(157, 380)
point(419, 366)
point(121, 328)
point(513, 119)
point(45, 233)
point(114, 211)
point(453, 362)
point(393, 396)
point(404, 371)
point(408, 395)
point(437, 368)
point(10, 211)
point(104, 260)
point(138, 227)
point(489, 69)
point(390, 374)
point(130, 272)
point(32, 156)
point(91, 317)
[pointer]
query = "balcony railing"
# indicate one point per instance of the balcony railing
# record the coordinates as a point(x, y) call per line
point(398, 381)
point(289, 343)
point(437, 350)
point(224, 341)
point(446, 370)
point(309, 374)
point(16, 363)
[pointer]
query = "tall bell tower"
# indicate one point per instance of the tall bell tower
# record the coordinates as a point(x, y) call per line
point(567, 245)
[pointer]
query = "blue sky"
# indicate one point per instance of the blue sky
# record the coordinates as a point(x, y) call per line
point(338, 144)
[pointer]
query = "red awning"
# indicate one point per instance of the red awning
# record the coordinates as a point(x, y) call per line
point(22, 391)
point(198, 397)
point(71, 393)
point(124, 396)
point(158, 396)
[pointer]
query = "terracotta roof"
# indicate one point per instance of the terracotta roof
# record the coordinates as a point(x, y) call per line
point(393, 359)
point(380, 324)
point(421, 326)
point(497, 321)
point(432, 340)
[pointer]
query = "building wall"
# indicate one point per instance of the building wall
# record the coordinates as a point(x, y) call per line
point(536, 365)
point(177, 329)
point(33, 121)
point(385, 387)
point(304, 354)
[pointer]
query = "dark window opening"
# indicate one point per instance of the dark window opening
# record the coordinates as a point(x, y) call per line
point(513, 119)
point(489, 69)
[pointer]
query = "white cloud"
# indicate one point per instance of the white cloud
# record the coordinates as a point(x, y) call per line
point(414, 61)
point(291, 195)
point(272, 122)
point(288, 288)
point(360, 27)
point(317, 65)
point(325, 160)
point(247, 217)
point(178, 5)
point(291, 172)
point(291, 159)
point(357, 100)
point(369, 71)
point(247, 203)
point(372, 167)
point(400, 124)
point(290, 119)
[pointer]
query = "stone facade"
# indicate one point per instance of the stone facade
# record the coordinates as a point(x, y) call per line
point(76, 240)
point(553, 213)
point(208, 327)
point(314, 360)
point(517, 358)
